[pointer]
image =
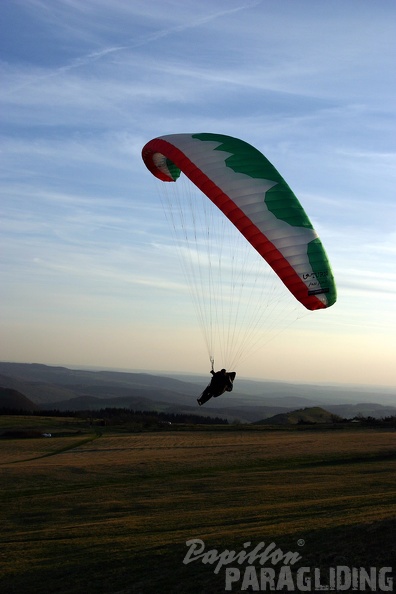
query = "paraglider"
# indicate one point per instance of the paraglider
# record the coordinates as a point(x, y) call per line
point(251, 193)
point(222, 381)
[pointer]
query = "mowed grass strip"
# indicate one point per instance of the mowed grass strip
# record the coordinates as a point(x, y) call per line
point(26, 450)
point(105, 512)
point(66, 433)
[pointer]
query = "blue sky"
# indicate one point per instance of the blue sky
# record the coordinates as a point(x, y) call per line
point(85, 84)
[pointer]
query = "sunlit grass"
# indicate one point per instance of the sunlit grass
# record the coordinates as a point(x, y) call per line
point(115, 513)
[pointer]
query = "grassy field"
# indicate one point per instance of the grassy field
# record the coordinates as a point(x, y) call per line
point(84, 512)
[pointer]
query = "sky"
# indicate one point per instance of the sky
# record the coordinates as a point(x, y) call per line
point(88, 274)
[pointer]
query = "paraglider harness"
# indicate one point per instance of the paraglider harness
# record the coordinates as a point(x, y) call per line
point(222, 381)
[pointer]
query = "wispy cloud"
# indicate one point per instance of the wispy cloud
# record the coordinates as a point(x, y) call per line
point(130, 44)
point(83, 234)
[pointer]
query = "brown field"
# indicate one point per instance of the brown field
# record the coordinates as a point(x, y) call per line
point(112, 513)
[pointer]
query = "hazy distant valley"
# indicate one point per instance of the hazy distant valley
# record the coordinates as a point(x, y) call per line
point(62, 388)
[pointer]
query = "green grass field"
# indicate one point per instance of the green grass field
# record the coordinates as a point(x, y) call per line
point(112, 513)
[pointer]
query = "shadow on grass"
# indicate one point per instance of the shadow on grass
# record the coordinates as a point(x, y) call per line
point(72, 446)
point(162, 569)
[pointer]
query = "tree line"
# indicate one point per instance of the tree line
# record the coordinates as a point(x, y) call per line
point(116, 416)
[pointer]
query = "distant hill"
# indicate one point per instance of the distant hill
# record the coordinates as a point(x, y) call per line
point(310, 415)
point(93, 403)
point(52, 387)
point(365, 409)
point(38, 392)
point(14, 400)
point(43, 383)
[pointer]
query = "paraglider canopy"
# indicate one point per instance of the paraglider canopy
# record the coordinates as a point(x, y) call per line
point(252, 194)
